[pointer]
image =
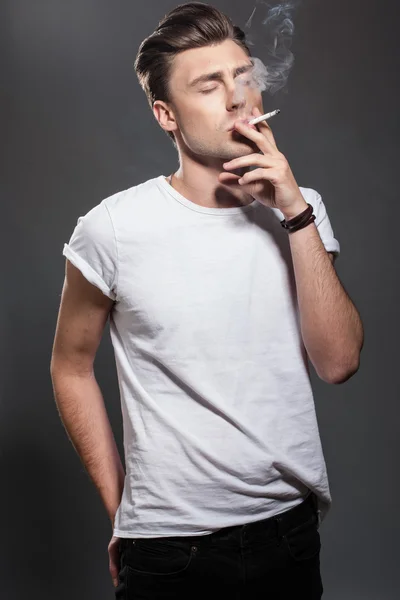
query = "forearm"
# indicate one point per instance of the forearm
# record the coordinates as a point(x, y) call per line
point(331, 327)
point(81, 407)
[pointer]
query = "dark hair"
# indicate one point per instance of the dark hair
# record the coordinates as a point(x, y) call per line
point(191, 25)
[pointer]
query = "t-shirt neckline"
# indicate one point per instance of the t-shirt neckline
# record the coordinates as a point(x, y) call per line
point(161, 180)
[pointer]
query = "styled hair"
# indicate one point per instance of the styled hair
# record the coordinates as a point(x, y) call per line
point(191, 25)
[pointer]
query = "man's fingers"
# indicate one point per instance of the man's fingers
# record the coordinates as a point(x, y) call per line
point(114, 562)
point(227, 178)
point(114, 569)
point(263, 127)
point(260, 139)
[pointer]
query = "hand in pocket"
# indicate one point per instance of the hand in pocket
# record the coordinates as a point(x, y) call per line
point(114, 558)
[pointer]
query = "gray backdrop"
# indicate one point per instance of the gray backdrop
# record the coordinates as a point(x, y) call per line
point(76, 128)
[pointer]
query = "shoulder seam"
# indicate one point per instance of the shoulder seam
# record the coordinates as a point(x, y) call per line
point(116, 276)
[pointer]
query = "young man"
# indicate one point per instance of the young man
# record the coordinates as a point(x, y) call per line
point(214, 309)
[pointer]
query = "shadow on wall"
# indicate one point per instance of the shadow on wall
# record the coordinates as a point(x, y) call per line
point(52, 525)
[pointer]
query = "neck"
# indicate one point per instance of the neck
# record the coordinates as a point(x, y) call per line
point(199, 183)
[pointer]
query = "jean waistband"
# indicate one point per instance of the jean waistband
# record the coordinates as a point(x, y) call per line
point(281, 523)
point(276, 525)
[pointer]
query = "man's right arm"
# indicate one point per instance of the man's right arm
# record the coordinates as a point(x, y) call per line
point(83, 313)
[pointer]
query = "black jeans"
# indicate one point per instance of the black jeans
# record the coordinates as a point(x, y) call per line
point(277, 559)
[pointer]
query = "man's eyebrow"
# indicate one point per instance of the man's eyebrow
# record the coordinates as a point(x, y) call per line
point(218, 75)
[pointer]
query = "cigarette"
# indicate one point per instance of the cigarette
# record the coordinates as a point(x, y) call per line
point(264, 117)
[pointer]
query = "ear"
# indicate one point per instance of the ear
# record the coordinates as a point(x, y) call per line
point(164, 115)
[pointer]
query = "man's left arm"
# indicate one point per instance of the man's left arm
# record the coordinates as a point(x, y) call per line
point(331, 326)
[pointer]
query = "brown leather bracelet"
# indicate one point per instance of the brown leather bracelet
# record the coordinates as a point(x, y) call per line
point(302, 220)
point(302, 225)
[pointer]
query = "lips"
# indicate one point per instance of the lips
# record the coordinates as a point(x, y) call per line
point(252, 126)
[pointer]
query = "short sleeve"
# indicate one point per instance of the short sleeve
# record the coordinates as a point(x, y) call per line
point(93, 249)
point(323, 225)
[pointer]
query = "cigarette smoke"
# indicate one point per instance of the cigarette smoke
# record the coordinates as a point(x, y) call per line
point(271, 27)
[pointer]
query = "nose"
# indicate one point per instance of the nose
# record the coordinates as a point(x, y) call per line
point(236, 98)
point(236, 104)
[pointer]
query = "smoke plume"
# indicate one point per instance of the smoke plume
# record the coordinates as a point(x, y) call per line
point(270, 29)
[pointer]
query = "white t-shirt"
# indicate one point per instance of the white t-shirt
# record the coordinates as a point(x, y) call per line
point(219, 421)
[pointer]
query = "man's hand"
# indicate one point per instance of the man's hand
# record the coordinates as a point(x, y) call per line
point(114, 558)
point(273, 183)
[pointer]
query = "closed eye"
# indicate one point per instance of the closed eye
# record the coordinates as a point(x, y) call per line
point(208, 91)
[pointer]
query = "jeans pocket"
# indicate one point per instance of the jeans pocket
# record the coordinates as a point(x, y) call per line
point(303, 541)
point(157, 556)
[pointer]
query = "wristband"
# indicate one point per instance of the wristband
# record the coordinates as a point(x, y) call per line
point(302, 220)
